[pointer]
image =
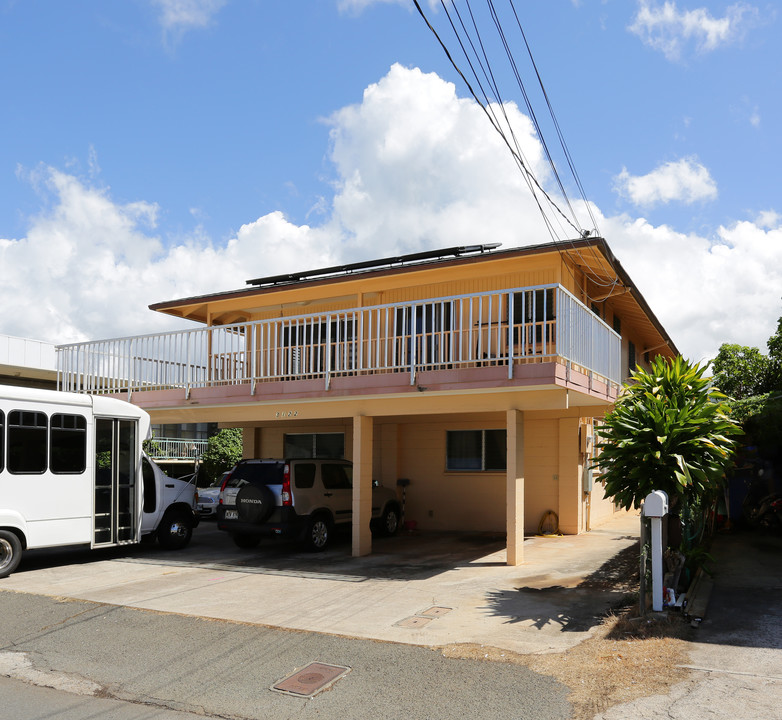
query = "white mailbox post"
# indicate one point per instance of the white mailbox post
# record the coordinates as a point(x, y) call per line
point(656, 507)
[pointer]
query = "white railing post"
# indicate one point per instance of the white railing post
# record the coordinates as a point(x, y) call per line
point(413, 343)
point(511, 348)
point(327, 369)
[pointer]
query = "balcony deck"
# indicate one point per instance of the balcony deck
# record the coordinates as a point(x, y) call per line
point(533, 336)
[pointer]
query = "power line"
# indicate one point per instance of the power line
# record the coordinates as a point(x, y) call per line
point(530, 178)
point(481, 59)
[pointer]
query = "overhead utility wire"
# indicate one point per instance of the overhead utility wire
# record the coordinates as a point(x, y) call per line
point(528, 103)
point(498, 94)
point(488, 108)
point(560, 135)
point(492, 82)
point(488, 74)
point(563, 144)
point(518, 156)
point(527, 173)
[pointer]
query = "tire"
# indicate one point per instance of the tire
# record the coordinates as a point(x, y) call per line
point(175, 531)
point(254, 504)
point(246, 542)
point(390, 521)
point(318, 533)
point(10, 552)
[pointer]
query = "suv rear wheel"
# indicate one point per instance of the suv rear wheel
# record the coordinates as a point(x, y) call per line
point(318, 533)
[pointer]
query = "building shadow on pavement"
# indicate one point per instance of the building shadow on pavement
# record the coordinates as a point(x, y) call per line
point(574, 605)
point(407, 556)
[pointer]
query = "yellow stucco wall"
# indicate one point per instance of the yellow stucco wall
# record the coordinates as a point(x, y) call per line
point(438, 499)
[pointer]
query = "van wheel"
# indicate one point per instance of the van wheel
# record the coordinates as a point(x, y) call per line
point(10, 552)
point(318, 533)
point(246, 542)
point(175, 531)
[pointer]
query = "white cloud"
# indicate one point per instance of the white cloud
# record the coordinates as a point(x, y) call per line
point(358, 6)
point(670, 30)
point(90, 267)
point(705, 291)
point(686, 181)
point(417, 168)
point(179, 16)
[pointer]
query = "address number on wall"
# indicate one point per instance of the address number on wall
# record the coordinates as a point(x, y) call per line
point(286, 413)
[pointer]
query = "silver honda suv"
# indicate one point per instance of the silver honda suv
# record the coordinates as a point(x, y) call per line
point(302, 498)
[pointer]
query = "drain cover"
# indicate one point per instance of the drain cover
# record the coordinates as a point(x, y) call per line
point(436, 611)
point(310, 680)
point(416, 621)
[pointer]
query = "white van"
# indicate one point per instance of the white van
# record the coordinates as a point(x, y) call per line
point(72, 471)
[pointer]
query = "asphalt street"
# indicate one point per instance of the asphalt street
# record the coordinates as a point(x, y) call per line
point(22, 701)
point(225, 669)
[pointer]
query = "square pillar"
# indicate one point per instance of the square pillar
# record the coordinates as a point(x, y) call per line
point(363, 428)
point(571, 494)
point(514, 521)
point(251, 442)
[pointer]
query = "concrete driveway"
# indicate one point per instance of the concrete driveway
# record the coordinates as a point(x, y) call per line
point(736, 655)
point(420, 589)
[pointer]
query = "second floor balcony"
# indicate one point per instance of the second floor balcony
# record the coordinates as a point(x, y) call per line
point(504, 330)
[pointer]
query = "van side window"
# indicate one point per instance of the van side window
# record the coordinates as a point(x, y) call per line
point(2, 441)
point(27, 432)
point(68, 444)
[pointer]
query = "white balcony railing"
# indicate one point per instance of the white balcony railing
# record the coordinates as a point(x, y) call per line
point(508, 327)
point(163, 448)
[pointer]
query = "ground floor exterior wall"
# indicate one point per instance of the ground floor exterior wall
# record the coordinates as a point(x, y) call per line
point(556, 450)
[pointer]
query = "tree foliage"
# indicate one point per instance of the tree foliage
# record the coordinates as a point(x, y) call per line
point(669, 430)
point(742, 372)
point(223, 451)
point(754, 382)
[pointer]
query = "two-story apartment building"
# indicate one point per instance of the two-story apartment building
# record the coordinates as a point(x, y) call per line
point(474, 373)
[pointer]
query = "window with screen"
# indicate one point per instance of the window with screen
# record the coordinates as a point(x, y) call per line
point(477, 450)
point(310, 445)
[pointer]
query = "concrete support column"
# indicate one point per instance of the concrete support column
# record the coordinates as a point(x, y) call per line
point(514, 521)
point(363, 428)
point(571, 494)
point(251, 442)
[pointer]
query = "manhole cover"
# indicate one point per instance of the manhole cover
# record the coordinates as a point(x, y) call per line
point(414, 622)
point(436, 611)
point(310, 680)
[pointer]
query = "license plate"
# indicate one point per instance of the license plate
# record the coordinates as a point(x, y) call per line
point(231, 515)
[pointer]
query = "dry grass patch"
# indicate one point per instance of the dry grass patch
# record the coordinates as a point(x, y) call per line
point(627, 657)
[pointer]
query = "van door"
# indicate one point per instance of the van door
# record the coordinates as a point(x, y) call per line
point(115, 513)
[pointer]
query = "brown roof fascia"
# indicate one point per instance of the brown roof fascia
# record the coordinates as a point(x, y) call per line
point(171, 306)
point(624, 278)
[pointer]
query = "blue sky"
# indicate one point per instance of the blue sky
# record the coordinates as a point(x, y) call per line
point(154, 149)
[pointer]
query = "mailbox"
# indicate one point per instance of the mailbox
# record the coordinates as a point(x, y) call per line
point(656, 504)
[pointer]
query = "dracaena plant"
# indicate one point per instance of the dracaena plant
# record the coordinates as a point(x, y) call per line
point(669, 430)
